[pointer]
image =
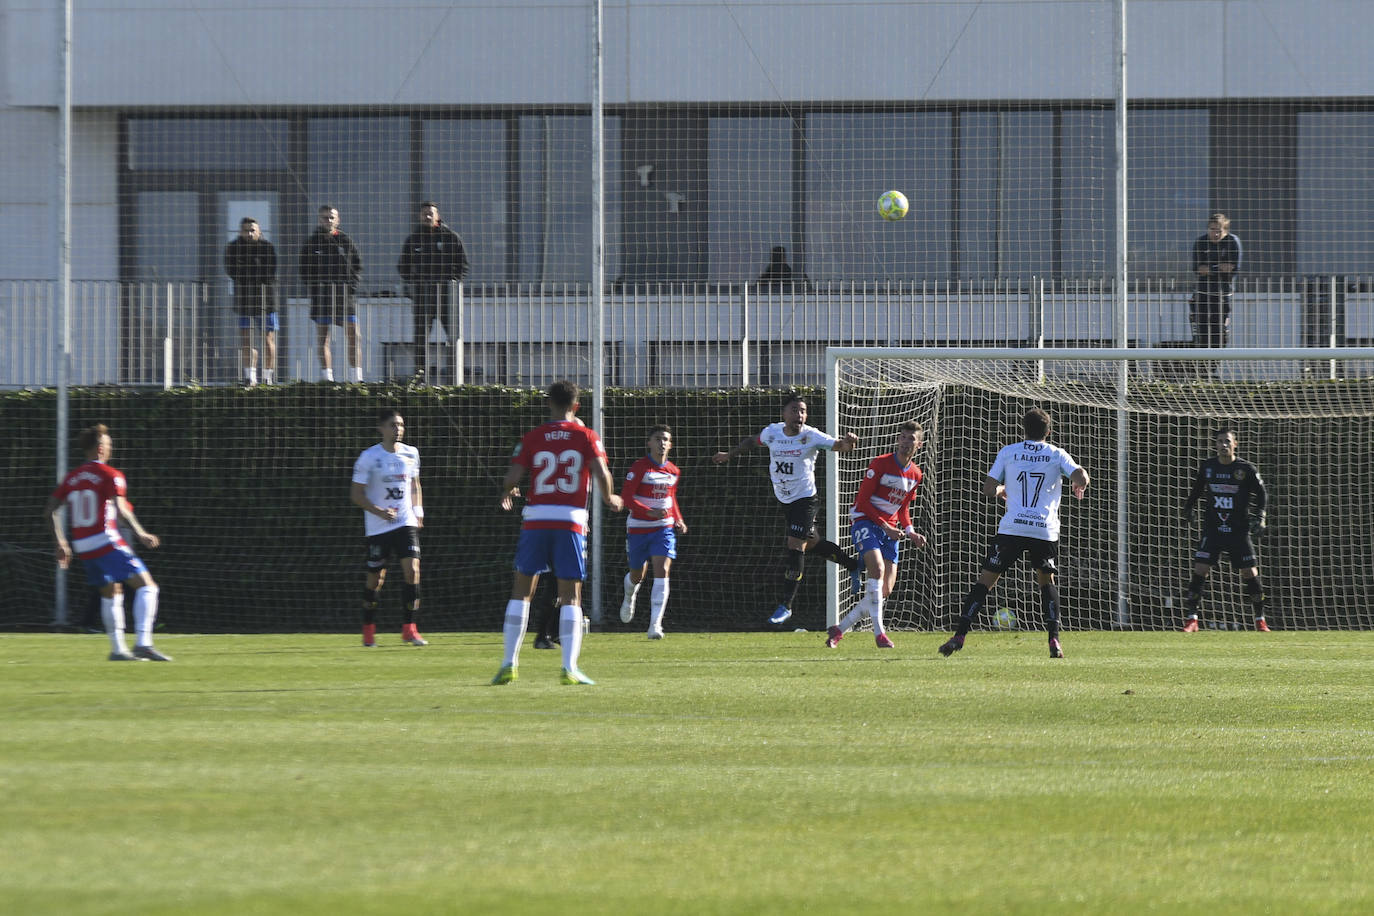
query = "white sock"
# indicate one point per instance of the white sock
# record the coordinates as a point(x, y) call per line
point(356, 373)
point(658, 600)
point(112, 613)
point(856, 614)
point(517, 616)
point(328, 375)
point(250, 375)
point(145, 613)
point(874, 600)
point(631, 588)
point(269, 376)
point(570, 634)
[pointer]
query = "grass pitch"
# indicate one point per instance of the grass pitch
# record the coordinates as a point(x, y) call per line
point(746, 773)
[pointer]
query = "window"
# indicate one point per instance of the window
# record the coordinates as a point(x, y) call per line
point(200, 144)
point(851, 159)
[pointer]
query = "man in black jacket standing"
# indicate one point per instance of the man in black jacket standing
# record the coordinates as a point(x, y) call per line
point(432, 257)
point(1216, 259)
point(331, 269)
point(251, 262)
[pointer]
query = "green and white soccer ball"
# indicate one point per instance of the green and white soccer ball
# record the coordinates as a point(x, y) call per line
point(892, 205)
point(1004, 619)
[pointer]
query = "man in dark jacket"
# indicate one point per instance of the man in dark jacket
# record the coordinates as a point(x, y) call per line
point(432, 257)
point(1216, 259)
point(331, 269)
point(251, 262)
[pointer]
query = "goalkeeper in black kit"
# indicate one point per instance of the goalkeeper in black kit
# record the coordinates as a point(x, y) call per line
point(1233, 511)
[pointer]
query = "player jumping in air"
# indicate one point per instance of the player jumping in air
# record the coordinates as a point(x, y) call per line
point(386, 486)
point(1028, 475)
point(792, 448)
point(1233, 510)
point(94, 495)
point(650, 494)
point(562, 457)
point(881, 517)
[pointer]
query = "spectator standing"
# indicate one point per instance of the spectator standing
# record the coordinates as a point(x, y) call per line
point(1216, 260)
point(432, 257)
point(331, 268)
point(251, 262)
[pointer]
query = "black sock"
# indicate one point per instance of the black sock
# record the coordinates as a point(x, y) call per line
point(1049, 606)
point(831, 551)
point(1254, 591)
point(973, 603)
point(1195, 588)
point(370, 605)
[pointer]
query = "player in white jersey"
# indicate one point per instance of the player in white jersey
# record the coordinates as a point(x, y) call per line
point(386, 486)
point(1027, 475)
point(792, 448)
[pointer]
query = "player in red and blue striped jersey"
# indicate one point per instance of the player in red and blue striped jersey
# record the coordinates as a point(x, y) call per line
point(94, 496)
point(562, 457)
point(650, 495)
point(881, 517)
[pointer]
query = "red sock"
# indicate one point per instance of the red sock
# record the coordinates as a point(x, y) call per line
point(369, 633)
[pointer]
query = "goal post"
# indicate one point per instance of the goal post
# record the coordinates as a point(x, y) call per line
point(1141, 420)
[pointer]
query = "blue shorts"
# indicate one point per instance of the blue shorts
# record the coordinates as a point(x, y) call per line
point(542, 549)
point(268, 321)
point(868, 536)
point(119, 565)
point(640, 546)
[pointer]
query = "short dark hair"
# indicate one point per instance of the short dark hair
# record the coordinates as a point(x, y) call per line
point(386, 413)
point(563, 393)
point(792, 396)
point(247, 221)
point(427, 203)
point(911, 426)
point(324, 207)
point(1227, 431)
point(1036, 423)
point(90, 437)
point(661, 428)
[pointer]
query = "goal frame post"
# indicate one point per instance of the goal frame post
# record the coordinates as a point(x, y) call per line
point(1124, 356)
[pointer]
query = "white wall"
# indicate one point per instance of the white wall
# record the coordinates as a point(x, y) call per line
point(263, 52)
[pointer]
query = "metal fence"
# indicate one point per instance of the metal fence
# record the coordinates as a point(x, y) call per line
point(675, 335)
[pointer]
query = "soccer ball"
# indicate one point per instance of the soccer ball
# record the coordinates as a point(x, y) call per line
point(892, 205)
point(1004, 619)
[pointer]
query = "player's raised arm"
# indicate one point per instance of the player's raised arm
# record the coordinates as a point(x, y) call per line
point(846, 443)
point(1078, 480)
point(745, 445)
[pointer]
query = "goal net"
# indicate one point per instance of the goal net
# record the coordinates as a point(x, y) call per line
point(1141, 421)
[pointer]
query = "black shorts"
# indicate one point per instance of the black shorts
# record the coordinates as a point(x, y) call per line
point(332, 305)
point(801, 518)
point(1235, 543)
point(398, 542)
point(1006, 549)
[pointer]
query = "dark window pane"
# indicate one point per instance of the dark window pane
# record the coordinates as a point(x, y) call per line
point(1006, 194)
point(195, 144)
point(851, 159)
point(749, 179)
point(465, 174)
point(1335, 195)
point(556, 198)
point(1168, 179)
